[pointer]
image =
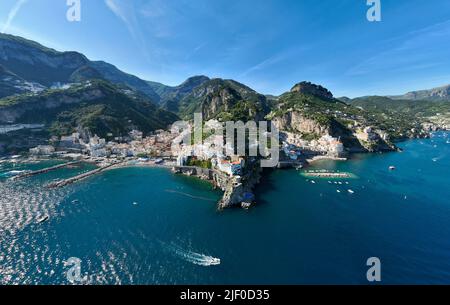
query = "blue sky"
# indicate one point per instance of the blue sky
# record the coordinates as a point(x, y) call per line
point(267, 44)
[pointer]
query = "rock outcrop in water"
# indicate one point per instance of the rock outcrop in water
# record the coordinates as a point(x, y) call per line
point(236, 189)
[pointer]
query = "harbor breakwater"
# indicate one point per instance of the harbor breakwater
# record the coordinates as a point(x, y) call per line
point(80, 177)
point(44, 170)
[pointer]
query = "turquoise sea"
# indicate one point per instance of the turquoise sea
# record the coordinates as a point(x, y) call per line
point(147, 226)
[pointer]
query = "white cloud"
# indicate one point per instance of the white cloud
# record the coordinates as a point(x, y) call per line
point(12, 14)
point(120, 11)
point(128, 12)
point(275, 59)
point(264, 64)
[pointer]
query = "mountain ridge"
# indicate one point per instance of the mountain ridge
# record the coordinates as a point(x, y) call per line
point(42, 85)
point(97, 105)
point(222, 99)
point(47, 67)
point(441, 93)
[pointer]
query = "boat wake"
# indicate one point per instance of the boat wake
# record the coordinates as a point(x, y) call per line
point(12, 173)
point(195, 258)
point(189, 195)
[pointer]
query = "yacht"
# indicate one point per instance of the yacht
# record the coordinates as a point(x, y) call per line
point(214, 261)
point(43, 219)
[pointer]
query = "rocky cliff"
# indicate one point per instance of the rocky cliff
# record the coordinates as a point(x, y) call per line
point(308, 113)
point(171, 96)
point(224, 100)
point(312, 89)
point(296, 122)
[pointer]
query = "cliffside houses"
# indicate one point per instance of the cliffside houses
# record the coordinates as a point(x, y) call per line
point(294, 147)
point(232, 167)
point(132, 145)
point(72, 143)
point(332, 146)
point(367, 134)
point(97, 147)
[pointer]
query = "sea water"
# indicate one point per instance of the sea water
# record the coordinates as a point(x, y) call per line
point(147, 226)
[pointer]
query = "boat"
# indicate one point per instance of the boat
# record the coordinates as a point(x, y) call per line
point(246, 205)
point(338, 191)
point(43, 219)
point(351, 191)
point(392, 168)
point(214, 261)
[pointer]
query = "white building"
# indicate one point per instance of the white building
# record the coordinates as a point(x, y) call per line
point(99, 153)
point(42, 150)
point(71, 142)
point(181, 160)
point(97, 147)
point(136, 135)
point(232, 168)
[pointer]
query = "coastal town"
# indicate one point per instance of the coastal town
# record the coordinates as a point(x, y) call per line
point(234, 175)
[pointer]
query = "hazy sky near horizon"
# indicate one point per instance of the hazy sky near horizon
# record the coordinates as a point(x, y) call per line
point(269, 45)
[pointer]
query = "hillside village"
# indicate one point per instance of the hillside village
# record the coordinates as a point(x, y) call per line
point(97, 113)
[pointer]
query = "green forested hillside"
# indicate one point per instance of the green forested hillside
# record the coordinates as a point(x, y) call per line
point(98, 106)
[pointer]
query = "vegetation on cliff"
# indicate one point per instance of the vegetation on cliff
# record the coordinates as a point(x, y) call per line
point(398, 121)
point(223, 100)
point(97, 106)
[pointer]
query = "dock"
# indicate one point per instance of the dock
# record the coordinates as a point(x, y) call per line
point(80, 177)
point(44, 170)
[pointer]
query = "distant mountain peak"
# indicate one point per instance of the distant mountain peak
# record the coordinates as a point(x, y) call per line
point(37, 64)
point(195, 80)
point(24, 41)
point(313, 89)
point(435, 94)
